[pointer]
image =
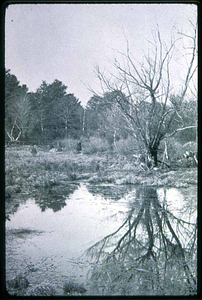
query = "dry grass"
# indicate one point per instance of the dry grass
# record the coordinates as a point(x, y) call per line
point(26, 172)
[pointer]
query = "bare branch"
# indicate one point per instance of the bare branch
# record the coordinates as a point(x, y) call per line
point(180, 129)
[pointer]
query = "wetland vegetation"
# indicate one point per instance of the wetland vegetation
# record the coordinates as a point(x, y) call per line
point(142, 244)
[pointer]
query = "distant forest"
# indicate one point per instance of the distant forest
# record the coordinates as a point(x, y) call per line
point(52, 113)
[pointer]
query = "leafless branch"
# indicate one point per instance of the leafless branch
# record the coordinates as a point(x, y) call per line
point(179, 129)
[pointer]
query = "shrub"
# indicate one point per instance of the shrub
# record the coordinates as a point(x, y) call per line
point(95, 145)
point(68, 144)
point(126, 146)
point(174, 149)
point(73, 287)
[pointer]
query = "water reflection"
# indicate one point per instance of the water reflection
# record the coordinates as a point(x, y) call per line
point(54, 197)
point(115, 192)
point(146, 238)
point(153, 252)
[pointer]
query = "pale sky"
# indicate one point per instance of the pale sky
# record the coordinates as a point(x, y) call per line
point(65, 41)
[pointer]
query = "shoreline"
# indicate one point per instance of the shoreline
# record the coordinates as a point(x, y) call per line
point(26, 174)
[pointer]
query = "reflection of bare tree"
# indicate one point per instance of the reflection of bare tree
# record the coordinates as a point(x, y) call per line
point(152, 252)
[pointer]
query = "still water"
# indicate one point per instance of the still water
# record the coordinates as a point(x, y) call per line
point(48, 238)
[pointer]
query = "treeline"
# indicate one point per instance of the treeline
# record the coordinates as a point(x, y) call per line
point(41, 117)
point(51, 113)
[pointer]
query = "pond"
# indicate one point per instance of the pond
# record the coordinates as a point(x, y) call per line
point(52, 240)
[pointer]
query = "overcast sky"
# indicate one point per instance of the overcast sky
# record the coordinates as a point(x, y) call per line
point(65, 41)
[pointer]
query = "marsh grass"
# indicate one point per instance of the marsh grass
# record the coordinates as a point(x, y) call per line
point(24, 171)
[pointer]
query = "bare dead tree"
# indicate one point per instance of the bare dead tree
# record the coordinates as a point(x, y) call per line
point(10, 133)
point(146, 88)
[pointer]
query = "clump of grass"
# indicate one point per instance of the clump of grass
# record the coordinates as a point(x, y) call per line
point(46, 180)
point(71, 287)
point(10, 190)
point(42, 290)
point(10, 177)
point(18, 282)
point(63, 166)
point(49, 165)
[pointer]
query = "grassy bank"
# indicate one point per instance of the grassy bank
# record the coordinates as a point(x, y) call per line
point(26, 173)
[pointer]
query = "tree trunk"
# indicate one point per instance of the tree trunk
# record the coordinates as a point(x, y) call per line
point(84, 119)
point(41, 124)
point(154, 154)
point(66, 130)
point(155, 158)
point(114, 139)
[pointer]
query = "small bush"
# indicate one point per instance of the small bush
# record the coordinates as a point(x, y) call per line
point(176, 153)
point(95, 145)
point(126, 146)
point(174, 149)
point(68, 144)
point(73, 287)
